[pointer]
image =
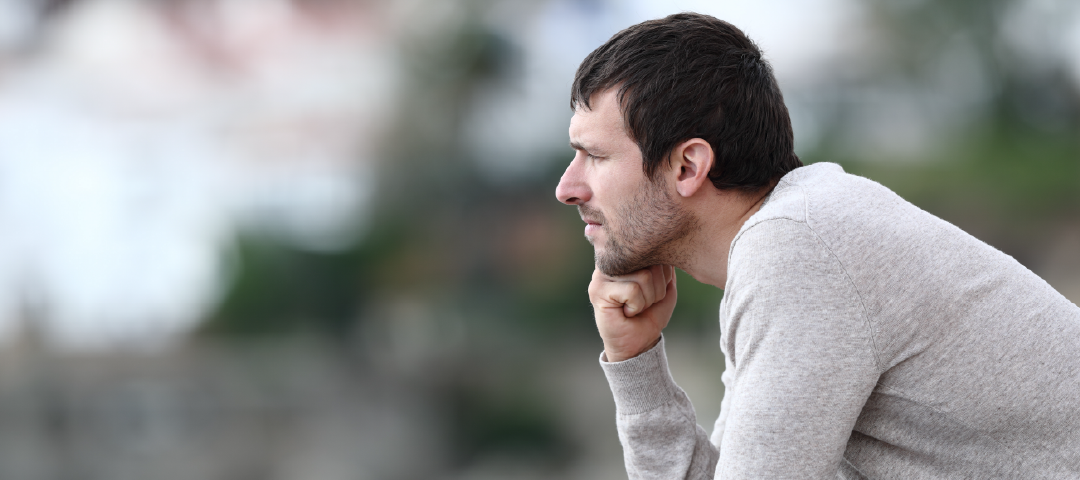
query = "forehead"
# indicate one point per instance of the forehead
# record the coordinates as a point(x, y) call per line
point(602, 126)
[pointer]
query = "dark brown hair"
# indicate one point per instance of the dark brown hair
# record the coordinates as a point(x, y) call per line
point(694, 76)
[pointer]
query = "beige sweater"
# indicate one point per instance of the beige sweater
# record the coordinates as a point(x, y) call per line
point(866, 338)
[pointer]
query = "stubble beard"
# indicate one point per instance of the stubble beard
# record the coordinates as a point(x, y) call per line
point(647, 232)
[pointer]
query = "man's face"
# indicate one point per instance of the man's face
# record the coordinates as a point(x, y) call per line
point(632, 222)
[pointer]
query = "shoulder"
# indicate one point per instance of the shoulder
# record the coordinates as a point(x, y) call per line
point(801, 195)
point(786, 246)
point(830, 206)
point(776, 250)
point(782, 222)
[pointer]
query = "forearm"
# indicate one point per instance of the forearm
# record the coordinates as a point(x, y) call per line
point(656, 421)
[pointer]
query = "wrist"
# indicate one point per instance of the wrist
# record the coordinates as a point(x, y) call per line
point(619, 355)
point(642, 384)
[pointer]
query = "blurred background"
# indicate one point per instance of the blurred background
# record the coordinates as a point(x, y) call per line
point(318, 239)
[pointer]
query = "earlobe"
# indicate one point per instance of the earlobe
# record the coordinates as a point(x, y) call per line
point(692, 161)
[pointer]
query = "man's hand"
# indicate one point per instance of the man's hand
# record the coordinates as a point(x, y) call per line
point(631, 310)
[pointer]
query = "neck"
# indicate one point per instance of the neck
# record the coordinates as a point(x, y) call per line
point(722, 214)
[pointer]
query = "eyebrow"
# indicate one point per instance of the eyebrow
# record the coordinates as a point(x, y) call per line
point(590, 150)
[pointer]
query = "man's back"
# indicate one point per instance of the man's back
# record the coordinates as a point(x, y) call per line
point(842, 299)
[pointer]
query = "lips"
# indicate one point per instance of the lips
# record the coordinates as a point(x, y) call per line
point(593, 220)
point(591, 229)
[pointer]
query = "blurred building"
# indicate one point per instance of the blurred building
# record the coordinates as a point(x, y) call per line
point(135, 135)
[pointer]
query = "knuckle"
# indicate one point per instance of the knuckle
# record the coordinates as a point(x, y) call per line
point(594, 289)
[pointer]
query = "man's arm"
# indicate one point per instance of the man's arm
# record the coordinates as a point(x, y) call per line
point(655, 420)
point(802, 353)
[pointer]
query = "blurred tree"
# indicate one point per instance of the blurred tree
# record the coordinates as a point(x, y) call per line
point(1006, 164)
point(924, 43)
point(442, 233)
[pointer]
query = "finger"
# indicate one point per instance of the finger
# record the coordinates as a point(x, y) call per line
point(629, 295)
point(659, 281)
point(644, 280)
point(671, 292)
point(625, 295)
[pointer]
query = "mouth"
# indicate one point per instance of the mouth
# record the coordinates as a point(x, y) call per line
point(592, 227)
point(593, 220)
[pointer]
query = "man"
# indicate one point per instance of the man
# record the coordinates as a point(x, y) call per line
point(863, 337)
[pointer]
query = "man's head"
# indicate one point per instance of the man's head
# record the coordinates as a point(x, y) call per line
point(664, 110)
point(694, 76)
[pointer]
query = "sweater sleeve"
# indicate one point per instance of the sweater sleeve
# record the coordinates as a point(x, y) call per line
point(656, 422)
point(802, 352)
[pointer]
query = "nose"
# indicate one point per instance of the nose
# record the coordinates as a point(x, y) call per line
point(572, 189)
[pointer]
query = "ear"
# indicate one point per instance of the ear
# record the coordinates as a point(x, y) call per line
point(690, 164)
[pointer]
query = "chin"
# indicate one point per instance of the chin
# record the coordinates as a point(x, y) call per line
point(596, 241)
point(598, 253)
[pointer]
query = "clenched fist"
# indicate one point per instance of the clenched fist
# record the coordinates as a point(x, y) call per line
point(631, 310)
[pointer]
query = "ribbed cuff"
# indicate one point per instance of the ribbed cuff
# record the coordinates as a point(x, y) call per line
point(642, 383)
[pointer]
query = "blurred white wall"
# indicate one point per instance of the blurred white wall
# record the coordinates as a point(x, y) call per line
point(135, 134)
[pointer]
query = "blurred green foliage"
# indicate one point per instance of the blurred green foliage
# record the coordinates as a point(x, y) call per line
point(506, 417)
point(1016, 189)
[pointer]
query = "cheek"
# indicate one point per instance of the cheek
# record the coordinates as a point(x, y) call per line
point(620, 197)
point(615, 183)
